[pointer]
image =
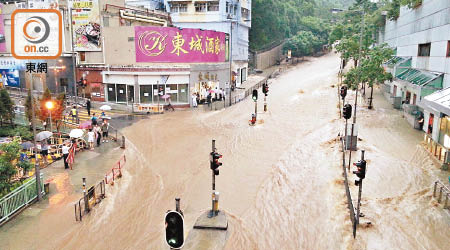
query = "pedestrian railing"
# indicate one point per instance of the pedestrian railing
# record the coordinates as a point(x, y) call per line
point(116, 136)
point(91, 198)
point(347, 190)
point(18, 199)
point(444, 193)
point(116, 171)
point(439, 151)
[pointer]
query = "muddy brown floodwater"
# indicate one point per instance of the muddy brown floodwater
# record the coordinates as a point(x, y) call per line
point(280, 180)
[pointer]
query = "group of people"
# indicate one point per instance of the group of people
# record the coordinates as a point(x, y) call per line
point(208, 96)
point(97, 132)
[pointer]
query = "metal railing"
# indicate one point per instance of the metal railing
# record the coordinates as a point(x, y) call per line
point(347, 190)
point(93, 196)
point(443, 191)
point(437, 150)
point(116, 171)
point(18, 199)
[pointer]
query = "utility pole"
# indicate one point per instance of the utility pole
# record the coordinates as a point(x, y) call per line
point(359, 192)
point(213, 149)
point(74, 62)
point(37, 169)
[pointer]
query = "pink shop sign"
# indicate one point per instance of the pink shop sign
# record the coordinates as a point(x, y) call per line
point(168, 44)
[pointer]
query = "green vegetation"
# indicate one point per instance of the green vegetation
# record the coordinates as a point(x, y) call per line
point(10, 164)
point(274, 21)
point(23, 132)
point(6, 107)
point(56, 111)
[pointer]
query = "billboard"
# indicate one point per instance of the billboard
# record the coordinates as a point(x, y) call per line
point(2, 31)
point(9, 77)
point(42, 4)
point(86, 25)
point(168, 44)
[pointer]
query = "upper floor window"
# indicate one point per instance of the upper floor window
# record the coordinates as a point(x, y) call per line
point(178, 7)
point(213, 6)
point(245, 13)
point(448, 49)
point(424, 49)
point(200, 7)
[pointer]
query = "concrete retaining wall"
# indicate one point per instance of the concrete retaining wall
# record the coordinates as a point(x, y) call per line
point(266, 59)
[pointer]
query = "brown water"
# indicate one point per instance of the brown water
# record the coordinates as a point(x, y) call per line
point(280, 180)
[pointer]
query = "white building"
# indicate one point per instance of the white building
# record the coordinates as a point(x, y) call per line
point(229, 16)
point(421, 37)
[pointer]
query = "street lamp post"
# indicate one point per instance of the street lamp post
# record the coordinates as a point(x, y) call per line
point(230, 17)
point(36, 163)
point(49, 105)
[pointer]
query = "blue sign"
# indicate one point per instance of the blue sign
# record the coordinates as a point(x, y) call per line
point(10, 77)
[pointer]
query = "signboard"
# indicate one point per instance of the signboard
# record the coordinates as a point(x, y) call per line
point(9, 77)
point(86, 25)
point(168, 44)
point(2, 31)
point(42, 4)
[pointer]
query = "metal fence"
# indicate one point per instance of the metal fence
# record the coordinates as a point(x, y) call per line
point(443, 191)
point(116, 171)
point(18, 199)
point(437, 150)
point(347, 190)
point(93, 196)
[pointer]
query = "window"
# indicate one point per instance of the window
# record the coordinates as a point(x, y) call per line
point(245, 13)
point(213, 6)
point(227, 10)
point(448, 49)
point(200, 7)
point(178, 7)
point(424, 49)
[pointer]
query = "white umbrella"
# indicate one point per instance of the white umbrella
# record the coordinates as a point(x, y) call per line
point(105, 108)
point(43, 135)
point(76, 133)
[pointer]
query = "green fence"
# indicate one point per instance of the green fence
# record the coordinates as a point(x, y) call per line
point(18, 199)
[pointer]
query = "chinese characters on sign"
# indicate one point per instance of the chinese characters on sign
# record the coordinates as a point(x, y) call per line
point(86, 25)
point(167, 44)
point(37, 68)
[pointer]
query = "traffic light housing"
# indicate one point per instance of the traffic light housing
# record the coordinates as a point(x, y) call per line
point(265, 88)
point(84, 82)
point(343, 91)
point(360, 171)
point(174, 229)
point(255, 95)
point(347, 111)
point(215, 164)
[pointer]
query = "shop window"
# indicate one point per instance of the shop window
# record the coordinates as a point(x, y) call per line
point(213, 6)
point(121, 92)
point(172, 90)
point(424, 49)
point(130, 93)
point(183, 93)
point(146, 94)
point(200, 7)
point(111, 90)
point(244, 74)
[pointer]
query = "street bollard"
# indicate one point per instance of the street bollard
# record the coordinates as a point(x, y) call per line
point(86, 202)
point(123, 142)
point(440, 194)
point(435, 186)
point(446, 200)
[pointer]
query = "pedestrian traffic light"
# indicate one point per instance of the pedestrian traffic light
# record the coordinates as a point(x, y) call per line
point(255, 95)
point(84, 82)
point(360, 171)
point(215, 164)
point(347, 111)
point(174, 229)
point(343, 91)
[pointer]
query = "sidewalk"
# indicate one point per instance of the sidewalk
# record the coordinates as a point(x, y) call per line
point(56, 211)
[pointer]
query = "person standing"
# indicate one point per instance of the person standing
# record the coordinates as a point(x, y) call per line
point(71, 157)
point(98, 134)
point(94, 119)
point(194, 100)
point(88, 106)
point(91, 136)
point(105, 128)
point(65, 151)
point(44, 151)
point(73, 111)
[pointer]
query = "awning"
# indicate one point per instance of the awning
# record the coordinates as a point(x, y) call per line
point(418, 77)
point(438, 101)
point(398, 61)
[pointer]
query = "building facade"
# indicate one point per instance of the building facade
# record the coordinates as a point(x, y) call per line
point(230, 16)
point(421, 38)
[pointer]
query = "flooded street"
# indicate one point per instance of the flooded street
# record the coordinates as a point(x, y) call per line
point(281, 180)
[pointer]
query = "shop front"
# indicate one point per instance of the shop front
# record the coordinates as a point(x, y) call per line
point(209, 78)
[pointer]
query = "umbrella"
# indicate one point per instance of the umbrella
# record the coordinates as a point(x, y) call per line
point(43, 135)
point(105, 108)
point(76, 133)
point(212, 91)
point(165, 96)
point(105, 117)
point(86, 124)
point(27, 145)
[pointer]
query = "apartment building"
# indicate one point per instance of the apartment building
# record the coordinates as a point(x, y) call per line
point(230, 16)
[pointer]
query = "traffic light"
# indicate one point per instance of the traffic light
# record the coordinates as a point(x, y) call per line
point(255, 95)
point(265, 88)
point(215, 164)
point(84, 82)
point(343, 91)
point(360, 171)
point(347, 112)
point(174, 229)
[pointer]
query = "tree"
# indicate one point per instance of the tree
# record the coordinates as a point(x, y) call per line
point(9, 162)
point(57, 112)
point(43, 111)
point(28, 110)
point(6, 107)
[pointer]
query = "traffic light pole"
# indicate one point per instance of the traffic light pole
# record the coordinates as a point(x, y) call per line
point(265, 104)
point(212, 171)
point(256, 109)
point(359, 192)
